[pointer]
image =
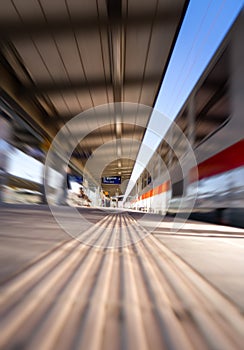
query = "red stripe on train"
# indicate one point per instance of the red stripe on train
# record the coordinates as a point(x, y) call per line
point(164, 187)
point(228, 159)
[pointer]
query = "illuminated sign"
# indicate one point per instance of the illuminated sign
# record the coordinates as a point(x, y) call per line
point(111, 180)
point(76, 178)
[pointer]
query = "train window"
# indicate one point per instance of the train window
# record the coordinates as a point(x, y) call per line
point(177, 189)
point(212, 100)
point(208, 124)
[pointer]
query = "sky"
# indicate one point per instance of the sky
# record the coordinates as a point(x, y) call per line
point(204, 27)
point(24, 166)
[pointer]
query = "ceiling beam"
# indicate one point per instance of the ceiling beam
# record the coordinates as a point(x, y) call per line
point(61, 26)
point(80, 85)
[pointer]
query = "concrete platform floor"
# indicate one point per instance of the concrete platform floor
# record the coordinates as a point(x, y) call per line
point(124, 283)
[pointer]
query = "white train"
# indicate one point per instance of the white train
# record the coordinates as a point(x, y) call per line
point(217, 179)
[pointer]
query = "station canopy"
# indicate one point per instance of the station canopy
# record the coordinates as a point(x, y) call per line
point(61, 58)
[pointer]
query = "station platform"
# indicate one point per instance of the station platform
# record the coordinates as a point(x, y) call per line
point(122, 283)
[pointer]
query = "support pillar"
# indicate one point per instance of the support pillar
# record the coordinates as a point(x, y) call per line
point(5, 136)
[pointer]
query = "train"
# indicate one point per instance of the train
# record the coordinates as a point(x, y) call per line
point(215, 184)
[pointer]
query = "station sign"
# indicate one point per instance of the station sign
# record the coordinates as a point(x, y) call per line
point(111, 180)
point(76, 178)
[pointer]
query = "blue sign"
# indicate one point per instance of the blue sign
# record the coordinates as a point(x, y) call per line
point(111, 180)
point(76, 178)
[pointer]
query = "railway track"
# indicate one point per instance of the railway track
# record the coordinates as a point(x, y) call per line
point(122, 289)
